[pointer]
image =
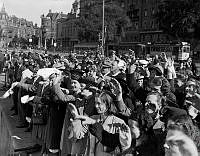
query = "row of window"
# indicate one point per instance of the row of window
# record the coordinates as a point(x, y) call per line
point(69, 31)
point(154, 38)
point(150, 12)
point(152, 24)
point(146, 38)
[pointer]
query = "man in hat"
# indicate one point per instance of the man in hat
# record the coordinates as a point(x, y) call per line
point(115, 70)
point(20, 66)
point(192, 100)
point(157, 71)
point(106, 68)
point(105, 71)
point(140, 91)
point(57, 109)
point(2, 60)
point(156, 85)
point(75, 140)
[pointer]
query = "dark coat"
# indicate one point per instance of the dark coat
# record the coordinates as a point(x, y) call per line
point(57, 109)
point(42, 98)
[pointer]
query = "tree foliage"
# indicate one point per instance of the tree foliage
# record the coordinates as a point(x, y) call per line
point(90, 24)
point(180, 18)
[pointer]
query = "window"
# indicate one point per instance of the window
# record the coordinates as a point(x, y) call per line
point(122, 5)
point(152, 24)
point(153, 11)
point(136, 25)
point(145, 13)
point(145, 25)
point(158, 39)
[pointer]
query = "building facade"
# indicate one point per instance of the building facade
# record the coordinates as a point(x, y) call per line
point(145, 27)
point(48, 28)
point(67, 33)
point(67, 29)
point(12, 26)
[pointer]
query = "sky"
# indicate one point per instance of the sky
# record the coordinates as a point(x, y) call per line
point(33, 9)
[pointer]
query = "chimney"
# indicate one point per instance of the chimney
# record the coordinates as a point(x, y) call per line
point(49, 10)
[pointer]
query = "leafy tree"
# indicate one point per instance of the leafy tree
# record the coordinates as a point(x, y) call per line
point(23, 42)
point(90, 22)
point(15, 40)
point(180, 19)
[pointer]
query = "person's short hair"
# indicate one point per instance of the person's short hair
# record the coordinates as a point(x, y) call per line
point(179, 139)
point(185, 124)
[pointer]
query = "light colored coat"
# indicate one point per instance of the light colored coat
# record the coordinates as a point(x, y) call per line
point(95, 148)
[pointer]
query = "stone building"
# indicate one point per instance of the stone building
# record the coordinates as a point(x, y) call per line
point(48, 28)
point(145, 27)
point(12, 26)
point(67, 33)
point(67, 30)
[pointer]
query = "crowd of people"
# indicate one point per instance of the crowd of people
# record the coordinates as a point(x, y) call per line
point(117, 105)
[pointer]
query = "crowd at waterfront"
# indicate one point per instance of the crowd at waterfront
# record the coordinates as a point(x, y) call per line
point(116, 105)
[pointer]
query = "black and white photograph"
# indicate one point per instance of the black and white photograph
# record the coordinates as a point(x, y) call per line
point(99, 77)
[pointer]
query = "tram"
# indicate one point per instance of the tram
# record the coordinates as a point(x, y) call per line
point(178, 51)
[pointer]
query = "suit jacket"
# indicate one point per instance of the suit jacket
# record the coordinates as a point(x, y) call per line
point(19, 71)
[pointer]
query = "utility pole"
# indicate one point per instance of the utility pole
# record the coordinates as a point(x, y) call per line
point(103, 29)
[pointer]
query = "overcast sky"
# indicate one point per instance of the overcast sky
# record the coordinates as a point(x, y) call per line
point(33, 9)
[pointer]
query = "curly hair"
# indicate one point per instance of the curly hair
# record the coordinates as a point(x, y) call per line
point(186, 125)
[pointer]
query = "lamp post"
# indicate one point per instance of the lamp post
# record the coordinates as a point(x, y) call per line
point(54, 44)
point(103, 29)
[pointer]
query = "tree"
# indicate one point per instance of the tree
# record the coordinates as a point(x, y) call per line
point(15, 41)
point(23, 42)
point(35, 41)
point(90, 23)
point(180, 19)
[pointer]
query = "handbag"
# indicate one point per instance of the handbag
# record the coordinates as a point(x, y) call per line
point(40, 114)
